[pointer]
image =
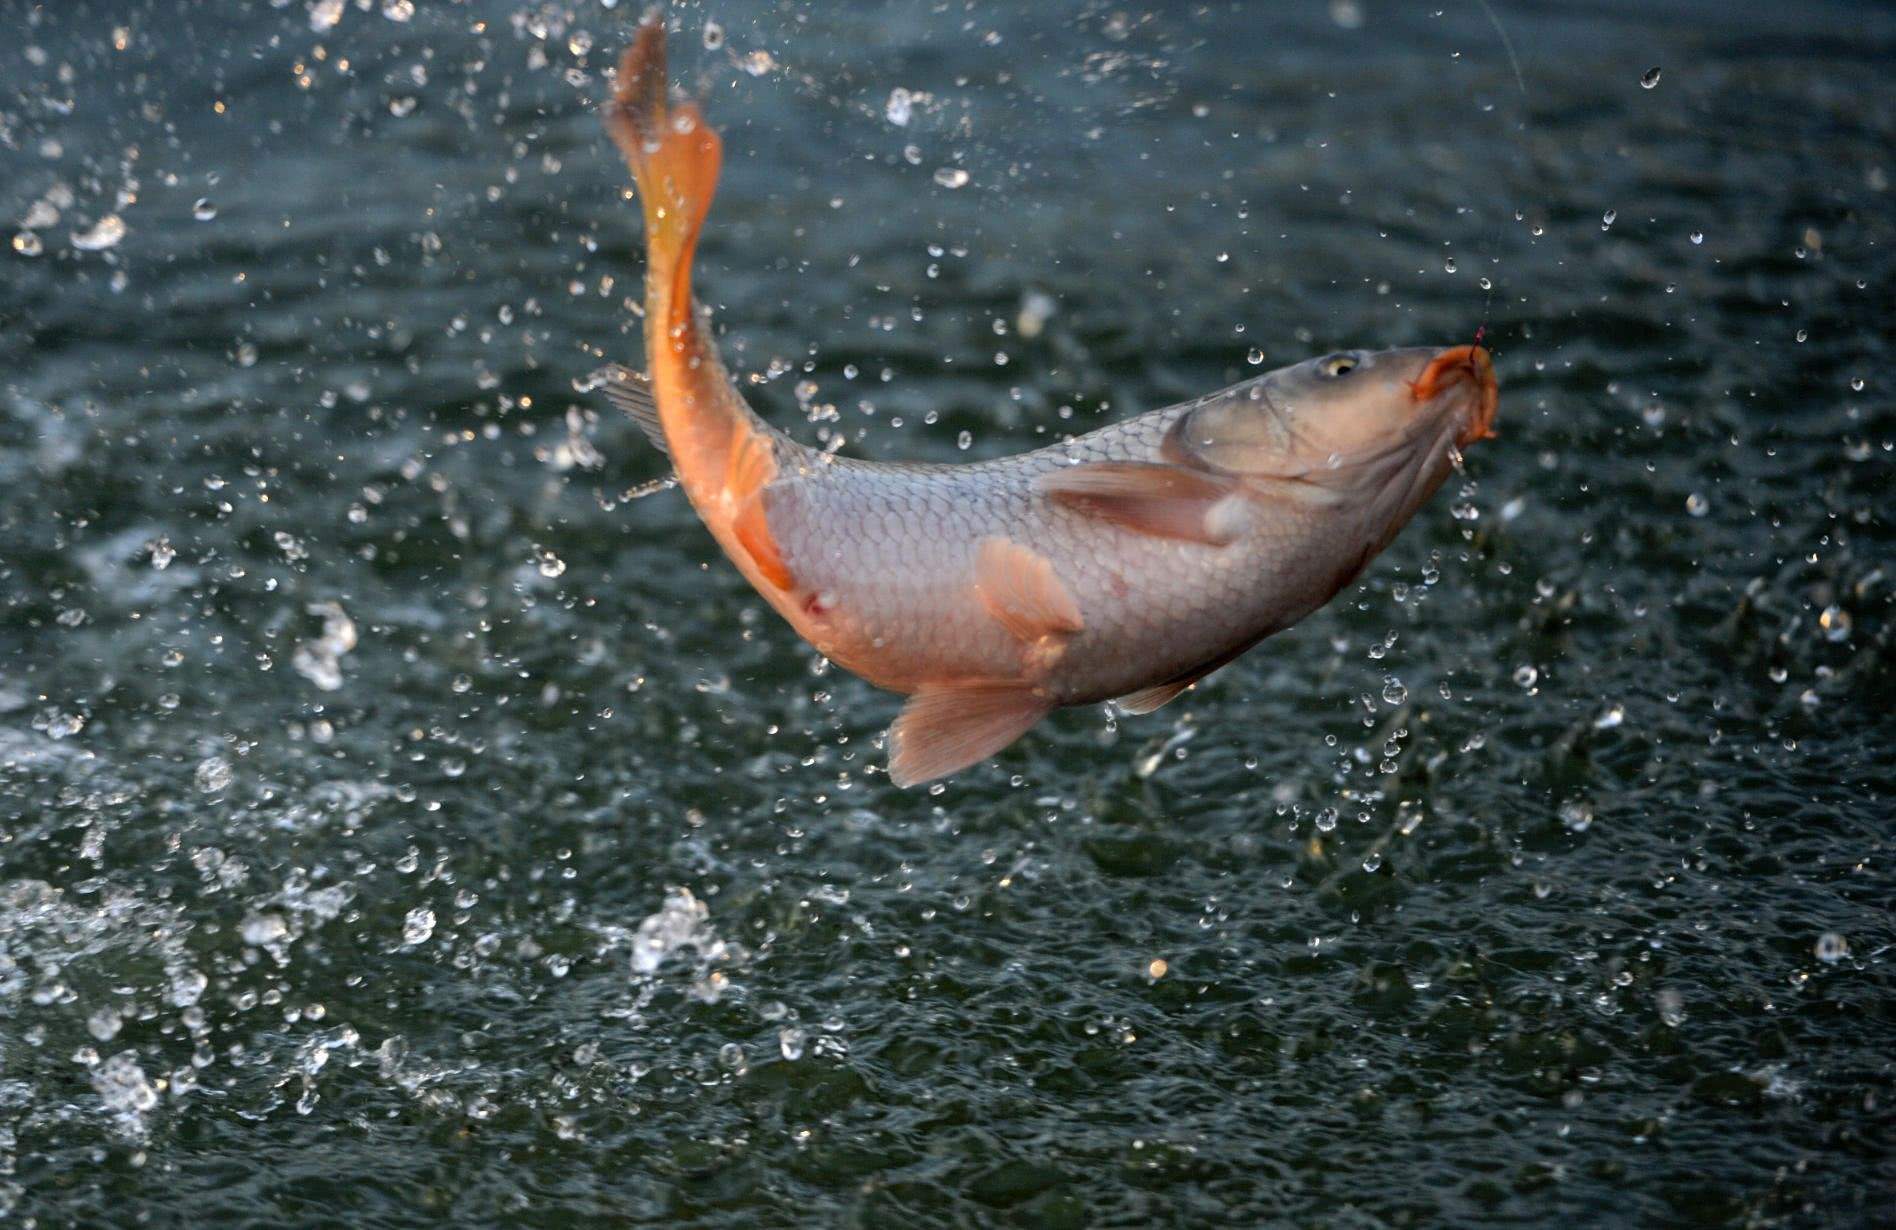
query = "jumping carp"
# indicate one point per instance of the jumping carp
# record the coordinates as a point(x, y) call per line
point(1126, 564)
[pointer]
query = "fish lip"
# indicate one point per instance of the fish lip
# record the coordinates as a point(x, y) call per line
point(1453, 366)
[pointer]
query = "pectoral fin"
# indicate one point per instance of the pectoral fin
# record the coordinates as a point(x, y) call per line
point(1164, 501)
point(1020, 590)
point(944, 728)
point(751, 468)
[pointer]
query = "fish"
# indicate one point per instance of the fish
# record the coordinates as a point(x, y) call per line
point(1125, 564)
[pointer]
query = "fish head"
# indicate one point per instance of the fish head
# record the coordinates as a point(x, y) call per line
point(1351, 413)
point(1366, 436)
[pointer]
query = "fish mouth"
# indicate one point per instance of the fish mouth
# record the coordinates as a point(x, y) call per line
point(1471, 365)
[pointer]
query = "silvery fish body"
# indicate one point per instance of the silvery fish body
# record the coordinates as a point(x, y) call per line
point(1124, 564)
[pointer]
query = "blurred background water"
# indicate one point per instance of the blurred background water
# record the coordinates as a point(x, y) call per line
point(409, 819)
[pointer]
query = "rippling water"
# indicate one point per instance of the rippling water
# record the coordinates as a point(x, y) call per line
point(404, 824)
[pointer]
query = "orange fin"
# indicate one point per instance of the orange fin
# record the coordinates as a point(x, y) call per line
point(674, 156)
point(1022, 592)
point(752, 465)
point(945, 728)
point(1145, 700)
point(1164, 501)
point(752, 528)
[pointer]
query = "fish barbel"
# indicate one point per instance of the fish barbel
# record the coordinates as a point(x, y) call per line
point(1125, 564)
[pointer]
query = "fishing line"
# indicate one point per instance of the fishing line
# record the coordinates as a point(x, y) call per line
point(1514, 63)
point(1507, 44)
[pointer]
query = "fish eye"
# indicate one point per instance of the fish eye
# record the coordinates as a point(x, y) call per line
point(1338, 365)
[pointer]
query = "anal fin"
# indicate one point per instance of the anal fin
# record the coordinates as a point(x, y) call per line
point(944, 728)
point(1163, 501)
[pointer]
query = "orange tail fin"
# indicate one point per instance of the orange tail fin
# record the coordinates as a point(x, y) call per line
point(674, 156)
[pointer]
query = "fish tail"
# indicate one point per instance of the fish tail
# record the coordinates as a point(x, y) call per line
point(724, 454)
point(674, 157)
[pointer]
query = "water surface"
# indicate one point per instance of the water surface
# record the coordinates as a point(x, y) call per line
point(404, 824)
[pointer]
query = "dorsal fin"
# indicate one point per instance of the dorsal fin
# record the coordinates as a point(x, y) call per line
point(944, 728)
point(1164, 501)
point(631, 392)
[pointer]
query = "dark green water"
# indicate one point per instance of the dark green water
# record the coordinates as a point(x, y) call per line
point(402, 826)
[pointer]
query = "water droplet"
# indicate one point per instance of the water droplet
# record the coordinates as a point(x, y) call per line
point(1615, 715)
point(1856, 384)
point(398, 10)
point(187, 987)
point(213, 774)
point(324, 14)
point(790, 1042)
point(1835, 622)
point(259, 930)
point(951, 177)
point(1254, 356)
point(1448, 265)
point(104, 234)
point(1832, 948)
point(900, 108)
point(1326, 820)
point(1697, 505)
point(1372, 860)
point(103, 1024)
point(1526, 676)
point(1485, 284)
point(965, 440)
point(203, 210)
point(551, 565)
point(1698, 237)
point(1671, 1007)
point(418, 926)
point(65, 725)
point(1650, 78)
point(1577, 816)
point(122, 1086)
point(1609, 218)
point(713, 36)
point(320, 660)
point(1394, 691)
point(1036, 308)
point(26, 243)
point(1803, 335)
